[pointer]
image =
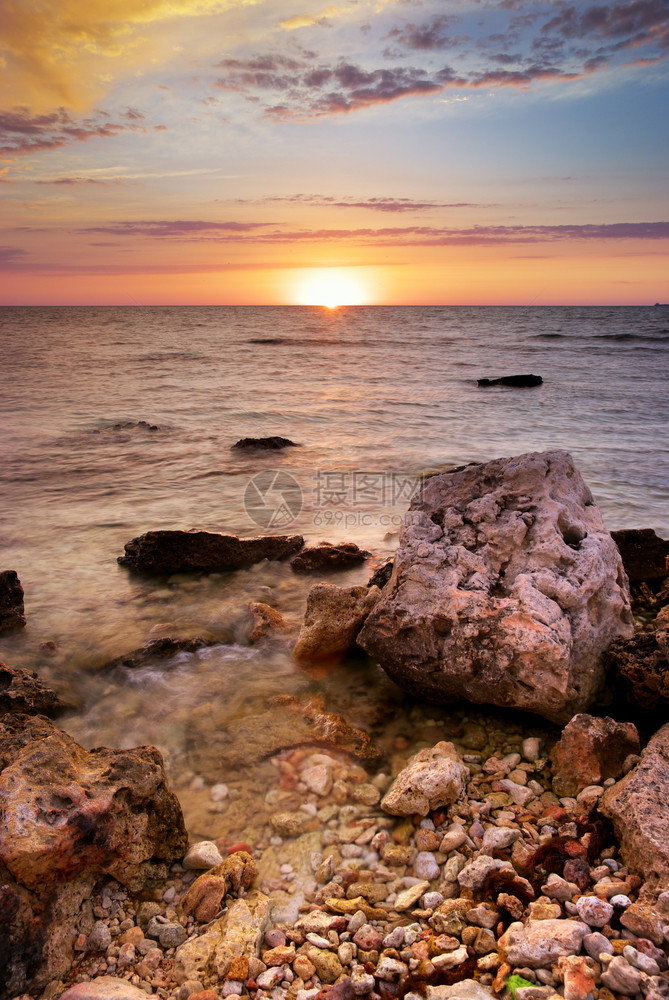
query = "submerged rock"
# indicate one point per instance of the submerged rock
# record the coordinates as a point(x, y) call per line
point(644, 553)
point(638, 807)
point(590, 751)
point(12, 615)
point(158, 649)
point(288, 722)
point(507, 589)
point(24, 691)
point(68, 810)
point(643, 664)
point(332, 620)
point(267, 443)
point(267, 624)
point(328, 556)
point(208, 551)
point(513, 380)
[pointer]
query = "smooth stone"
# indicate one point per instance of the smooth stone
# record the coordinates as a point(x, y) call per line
point(202, 856)
point(104, 988)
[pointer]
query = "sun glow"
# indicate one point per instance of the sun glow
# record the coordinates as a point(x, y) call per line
point(330, 287)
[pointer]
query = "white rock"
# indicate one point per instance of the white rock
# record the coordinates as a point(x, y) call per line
point(219, 792)
point(434, 777)
point(593, 911)
point(539, 943)
point(425, 865)
point(498, 838)
point(202, 856)
point(449, 959)
point(476, 872)
point(532, 748)
point(408, 897)
point(104, 988)
point(318, 779)
point(506, 589)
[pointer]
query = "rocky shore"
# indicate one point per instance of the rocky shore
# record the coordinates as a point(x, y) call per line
point(475, 860)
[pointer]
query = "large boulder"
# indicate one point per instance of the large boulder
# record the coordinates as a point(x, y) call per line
point(69, 817)
point(507, 589)
point(207, 551)
point(590, 751)
point(638, 807)
point(332, 620)
point(67, 810)
point(12, 615)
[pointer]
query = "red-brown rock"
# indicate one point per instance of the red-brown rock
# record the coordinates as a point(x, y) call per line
point(67, 810)
point(591, 750)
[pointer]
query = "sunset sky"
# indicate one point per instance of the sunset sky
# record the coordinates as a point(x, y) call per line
point(382, 151)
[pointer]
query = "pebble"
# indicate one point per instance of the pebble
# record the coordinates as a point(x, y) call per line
point(202, 856)
point(594, 911)
point(425, 866)
point(219, 792)
point(408, 897)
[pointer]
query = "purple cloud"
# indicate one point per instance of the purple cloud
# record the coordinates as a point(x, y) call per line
point(22, 132)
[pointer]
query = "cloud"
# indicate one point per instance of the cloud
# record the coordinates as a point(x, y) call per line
point(398, 205)
point(272, 233)
point(177, 229)
point(23, 132)
point(78, 181)
point(58, 52)
point(313, 91)
point(11, 256)
point(432, 34)
point(311, 20)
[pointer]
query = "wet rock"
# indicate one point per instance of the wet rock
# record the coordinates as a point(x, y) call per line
point(267, 624)
point(208, 551)
point(643, 664)
point(517, 381)
point(266, 444)
point(381, 575)
point(328, 556)
point(589, 751)
point(68, 810)
point(434, 777)
point(104, 988)
point(239, 932)
point(539, 943)
point(644, 553)
point(638, 807)
point(12, 616)
point(157, 649)
point(506, 589)
point(333, 618)
point(288, 722)
point(205, 897)
point(24, 691)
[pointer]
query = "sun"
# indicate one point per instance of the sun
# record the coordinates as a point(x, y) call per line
point(330, 287)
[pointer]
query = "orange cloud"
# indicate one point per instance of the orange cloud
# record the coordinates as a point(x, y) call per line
point(67, 52)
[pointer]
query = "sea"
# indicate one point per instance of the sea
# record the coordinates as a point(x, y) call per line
point(119, 420)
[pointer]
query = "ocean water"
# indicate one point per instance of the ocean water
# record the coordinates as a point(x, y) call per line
point(120, 420)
